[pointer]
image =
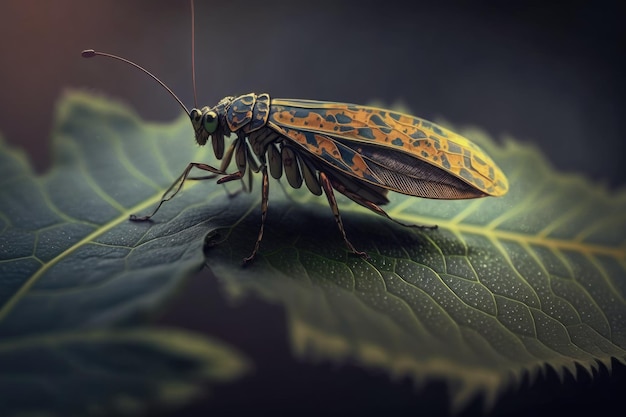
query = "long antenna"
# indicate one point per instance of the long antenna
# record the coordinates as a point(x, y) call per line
point(193, 55)
point(90, 53)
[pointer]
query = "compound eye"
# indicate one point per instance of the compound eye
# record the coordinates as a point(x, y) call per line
point(210, 121)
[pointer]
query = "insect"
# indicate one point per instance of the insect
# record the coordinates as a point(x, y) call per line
point(361, 152)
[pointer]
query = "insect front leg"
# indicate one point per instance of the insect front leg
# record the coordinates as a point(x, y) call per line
point(332, 201)
point(231, 177)
point(265, 192)
point(179, 181)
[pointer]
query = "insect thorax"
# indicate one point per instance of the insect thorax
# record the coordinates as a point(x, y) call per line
point(241, 115)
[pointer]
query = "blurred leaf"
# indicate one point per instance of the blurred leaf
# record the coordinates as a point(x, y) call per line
point(111, 372)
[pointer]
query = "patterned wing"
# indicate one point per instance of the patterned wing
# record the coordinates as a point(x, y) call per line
point(332, 152)
point(369, 132)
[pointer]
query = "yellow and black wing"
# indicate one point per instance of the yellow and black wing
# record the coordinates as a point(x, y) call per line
point(396, 151)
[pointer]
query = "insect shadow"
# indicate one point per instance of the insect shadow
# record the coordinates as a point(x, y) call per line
point(307, 228)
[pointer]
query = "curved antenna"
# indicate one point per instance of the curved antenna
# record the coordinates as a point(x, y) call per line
point(193, 56)
point(89, 53)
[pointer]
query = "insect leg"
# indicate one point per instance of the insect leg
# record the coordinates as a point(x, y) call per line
point(179, 181)
point(328, 190)
point(228, 156)
point(375, 208)
point(230, 177)
point(222, 169)
point(265, 192)
point(204, 177)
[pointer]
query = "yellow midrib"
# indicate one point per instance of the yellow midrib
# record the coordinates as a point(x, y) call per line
point(552, 243)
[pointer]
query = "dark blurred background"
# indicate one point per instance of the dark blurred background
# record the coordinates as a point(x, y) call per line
point(551, 73)
point(548, 73)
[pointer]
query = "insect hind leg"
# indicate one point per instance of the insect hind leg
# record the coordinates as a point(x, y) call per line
point(376, 208)
point(332, 201)
point(178, 185)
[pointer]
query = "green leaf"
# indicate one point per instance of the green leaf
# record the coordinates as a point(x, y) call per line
point(72, 265)
point(504, 288)
point(67, 244)
point(105, 372)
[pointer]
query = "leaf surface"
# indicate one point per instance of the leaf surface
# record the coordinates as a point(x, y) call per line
point(72, 265)
point(505, 287)
point(66, 239)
